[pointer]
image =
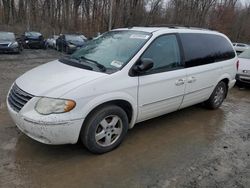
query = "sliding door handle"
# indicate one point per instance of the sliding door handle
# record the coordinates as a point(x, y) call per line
point(191, 79)
point(180, 82)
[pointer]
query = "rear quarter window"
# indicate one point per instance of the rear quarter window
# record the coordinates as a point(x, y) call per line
point(201, 49)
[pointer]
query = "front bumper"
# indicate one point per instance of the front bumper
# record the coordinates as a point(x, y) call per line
point(8, 49)
point(243, 78)
point(54, 132)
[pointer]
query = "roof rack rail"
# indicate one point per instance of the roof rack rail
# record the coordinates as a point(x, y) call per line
point(164, 25)
point(174, 26)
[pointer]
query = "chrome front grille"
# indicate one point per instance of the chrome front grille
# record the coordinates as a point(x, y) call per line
point(18, 98)
point(4, 45)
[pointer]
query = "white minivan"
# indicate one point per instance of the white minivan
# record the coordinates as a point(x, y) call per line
point(123, 77)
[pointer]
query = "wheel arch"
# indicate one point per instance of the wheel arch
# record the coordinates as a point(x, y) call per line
point(226, 79)
point(125, 105)
point(126, 102)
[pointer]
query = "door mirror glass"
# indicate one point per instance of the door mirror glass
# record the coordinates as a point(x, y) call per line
point(143, 65)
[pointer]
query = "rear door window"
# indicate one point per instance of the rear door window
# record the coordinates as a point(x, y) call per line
point(201, 49)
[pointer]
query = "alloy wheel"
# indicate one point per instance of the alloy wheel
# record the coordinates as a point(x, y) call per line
point(108, 131)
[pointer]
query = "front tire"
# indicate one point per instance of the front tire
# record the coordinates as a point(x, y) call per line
point(217, 97)
point(104, 129)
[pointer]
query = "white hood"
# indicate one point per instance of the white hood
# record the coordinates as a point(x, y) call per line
point(54, 79)
point(244, 64)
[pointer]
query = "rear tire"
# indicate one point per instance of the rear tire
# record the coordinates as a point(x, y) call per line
point(104, 129)
point(217, 97)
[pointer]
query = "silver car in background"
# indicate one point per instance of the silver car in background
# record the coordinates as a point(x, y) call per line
point(240, 47)
point(51, 42)
point(243, 74)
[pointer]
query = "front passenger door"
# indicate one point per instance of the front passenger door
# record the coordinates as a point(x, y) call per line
point(161, 89)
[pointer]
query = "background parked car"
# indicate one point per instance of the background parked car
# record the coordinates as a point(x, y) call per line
point(83, 37)
point(8, 43)
point(32, 39)
point(69, 42)
point(51, 42)
point(240, 47)
point(243, 74)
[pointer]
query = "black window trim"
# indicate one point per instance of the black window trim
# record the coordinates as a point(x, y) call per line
point(182, 58)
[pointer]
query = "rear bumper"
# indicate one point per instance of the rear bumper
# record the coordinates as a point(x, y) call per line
point(243, 78)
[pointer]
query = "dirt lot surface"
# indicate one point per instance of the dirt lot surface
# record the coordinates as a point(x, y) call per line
point(194, 147)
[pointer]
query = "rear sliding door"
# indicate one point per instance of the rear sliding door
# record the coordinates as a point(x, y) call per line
point(206, 56)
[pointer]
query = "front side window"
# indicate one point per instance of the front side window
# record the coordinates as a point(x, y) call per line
point(165, 53)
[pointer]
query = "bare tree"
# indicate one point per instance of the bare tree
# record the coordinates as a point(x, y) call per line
point(91, 16)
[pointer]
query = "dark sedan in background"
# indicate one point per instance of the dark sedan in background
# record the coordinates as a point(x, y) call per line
point(8, 43)
point(69, 42)
point(33, 39)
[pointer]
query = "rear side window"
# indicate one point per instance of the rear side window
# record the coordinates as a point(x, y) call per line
point(202, 49)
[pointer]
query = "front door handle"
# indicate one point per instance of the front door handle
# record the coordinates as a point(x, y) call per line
point(191, 79)
point(180, 82)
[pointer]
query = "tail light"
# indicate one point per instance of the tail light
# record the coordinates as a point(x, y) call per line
point(237, 65)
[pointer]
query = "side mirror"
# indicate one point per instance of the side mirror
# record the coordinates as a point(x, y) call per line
point(142, 66)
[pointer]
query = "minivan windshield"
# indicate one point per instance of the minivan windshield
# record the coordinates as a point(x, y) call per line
point(112, 49)
point(74, 38)
point(32, 34)
point(7, 36)
point(245, 54)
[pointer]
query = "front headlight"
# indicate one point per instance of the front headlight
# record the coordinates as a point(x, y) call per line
point(46, 106)
point(13, 44)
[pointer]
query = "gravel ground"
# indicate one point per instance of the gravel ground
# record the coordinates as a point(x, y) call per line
point(194, 147)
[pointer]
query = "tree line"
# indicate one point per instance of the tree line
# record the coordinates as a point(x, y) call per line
point(91, 16)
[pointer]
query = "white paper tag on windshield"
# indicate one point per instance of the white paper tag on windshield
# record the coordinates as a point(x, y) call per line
point(139, 36)
point(116, 64)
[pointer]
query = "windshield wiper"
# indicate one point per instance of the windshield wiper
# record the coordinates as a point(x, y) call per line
point(100, 66)
point(68, 60)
